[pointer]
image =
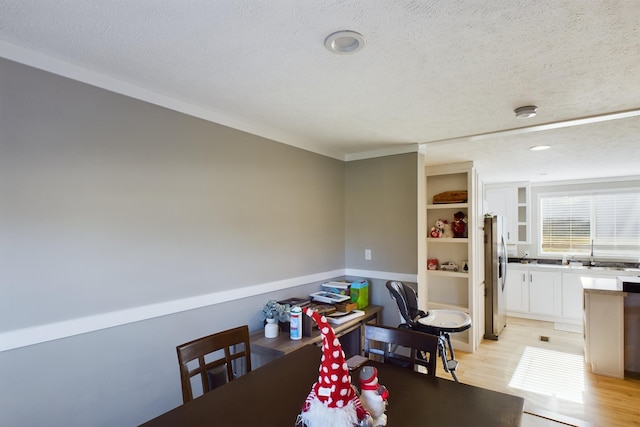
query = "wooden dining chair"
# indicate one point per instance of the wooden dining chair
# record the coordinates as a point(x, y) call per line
point(388, 342)
point(225, 348)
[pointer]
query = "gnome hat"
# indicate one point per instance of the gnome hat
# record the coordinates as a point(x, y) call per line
point(332, 401)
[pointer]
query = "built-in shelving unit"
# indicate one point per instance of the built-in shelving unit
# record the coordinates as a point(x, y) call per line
point(523, 213)
point(454, 290)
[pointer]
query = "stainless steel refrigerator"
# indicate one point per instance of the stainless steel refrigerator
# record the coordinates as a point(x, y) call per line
point(495, 277)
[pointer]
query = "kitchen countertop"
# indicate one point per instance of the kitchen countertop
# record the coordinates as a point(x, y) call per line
point(613, 271)
point(609, 279)
point(603, 286)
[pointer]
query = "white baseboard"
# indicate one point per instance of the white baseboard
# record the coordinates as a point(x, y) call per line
point(567, 327)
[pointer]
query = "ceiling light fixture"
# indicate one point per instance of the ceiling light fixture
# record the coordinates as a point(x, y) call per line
point(539, 147)
point(526, 112)
point(344, 42)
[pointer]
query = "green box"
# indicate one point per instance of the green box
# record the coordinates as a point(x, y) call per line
point(360, 293)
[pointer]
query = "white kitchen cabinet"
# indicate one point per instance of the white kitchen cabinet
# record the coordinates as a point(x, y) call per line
point(572, 296)
point(517, 286)
point(533, 293)
point(503, 201)
point(512, 202)
point(545, 293)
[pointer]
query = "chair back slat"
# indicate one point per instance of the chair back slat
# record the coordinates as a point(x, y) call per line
point(235, 344)
point(422, 347)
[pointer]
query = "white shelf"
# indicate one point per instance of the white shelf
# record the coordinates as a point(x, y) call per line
point(448, 206)
point(447, 273)
point(453, 290)
point(447, 240)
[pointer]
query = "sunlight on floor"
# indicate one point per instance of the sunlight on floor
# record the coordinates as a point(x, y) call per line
point(551, 373)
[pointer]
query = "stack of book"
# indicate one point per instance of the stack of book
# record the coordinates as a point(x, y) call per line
point(296, 302)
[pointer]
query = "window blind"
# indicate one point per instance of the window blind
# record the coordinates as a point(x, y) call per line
point(566, 224)
point(616, 222)
point(571, 223)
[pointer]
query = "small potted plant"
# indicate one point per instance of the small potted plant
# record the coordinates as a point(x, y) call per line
point(272, 313)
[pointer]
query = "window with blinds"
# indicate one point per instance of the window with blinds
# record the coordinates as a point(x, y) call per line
point(570, 223)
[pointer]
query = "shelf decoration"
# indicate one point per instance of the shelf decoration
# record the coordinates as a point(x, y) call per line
point(332, 400)
point(442, 228)
point(459, 196)
point(465, 266)
point(459, 225)
point(449, 266)
point(271, 314)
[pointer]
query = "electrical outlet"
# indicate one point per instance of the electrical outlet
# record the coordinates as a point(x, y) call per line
point(367, 254)
point(526, 253)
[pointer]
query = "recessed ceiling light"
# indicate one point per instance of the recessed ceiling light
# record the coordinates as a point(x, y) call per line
point(526, 112)
point(344, 42)
point(539, 147)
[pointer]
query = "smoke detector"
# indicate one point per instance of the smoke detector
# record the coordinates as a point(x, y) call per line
point(526, 112)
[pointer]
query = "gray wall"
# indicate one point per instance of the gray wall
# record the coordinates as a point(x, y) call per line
point(109, 203)
point(381, 215)
point(120, 376)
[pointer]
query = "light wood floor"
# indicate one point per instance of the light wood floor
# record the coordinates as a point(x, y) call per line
point(551, 376)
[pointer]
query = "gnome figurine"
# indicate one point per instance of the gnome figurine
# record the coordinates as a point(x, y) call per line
point(332, 401)
point(373, 395)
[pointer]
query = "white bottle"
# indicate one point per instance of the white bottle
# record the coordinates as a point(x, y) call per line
point(295, 323)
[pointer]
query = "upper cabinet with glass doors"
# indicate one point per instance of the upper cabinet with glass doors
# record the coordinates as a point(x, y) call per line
point(512, 201)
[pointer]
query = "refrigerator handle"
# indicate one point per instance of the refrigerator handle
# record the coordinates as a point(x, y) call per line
point(502, 270)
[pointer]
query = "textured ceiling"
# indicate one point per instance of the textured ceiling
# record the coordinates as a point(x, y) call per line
point(431, 70)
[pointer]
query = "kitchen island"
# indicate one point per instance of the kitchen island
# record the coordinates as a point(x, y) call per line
point(604, 325)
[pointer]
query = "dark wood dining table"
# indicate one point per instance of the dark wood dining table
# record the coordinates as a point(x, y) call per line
point(272, 395)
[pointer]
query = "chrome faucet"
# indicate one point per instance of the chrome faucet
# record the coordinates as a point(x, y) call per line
point(592, 261)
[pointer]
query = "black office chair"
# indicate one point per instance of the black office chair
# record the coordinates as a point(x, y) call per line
point(414, 318)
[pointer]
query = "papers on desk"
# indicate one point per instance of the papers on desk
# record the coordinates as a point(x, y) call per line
point(337, 318)
point(329, 298)
point(340, 288)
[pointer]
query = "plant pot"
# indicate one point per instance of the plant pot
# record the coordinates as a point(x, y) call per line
point(271, 329)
